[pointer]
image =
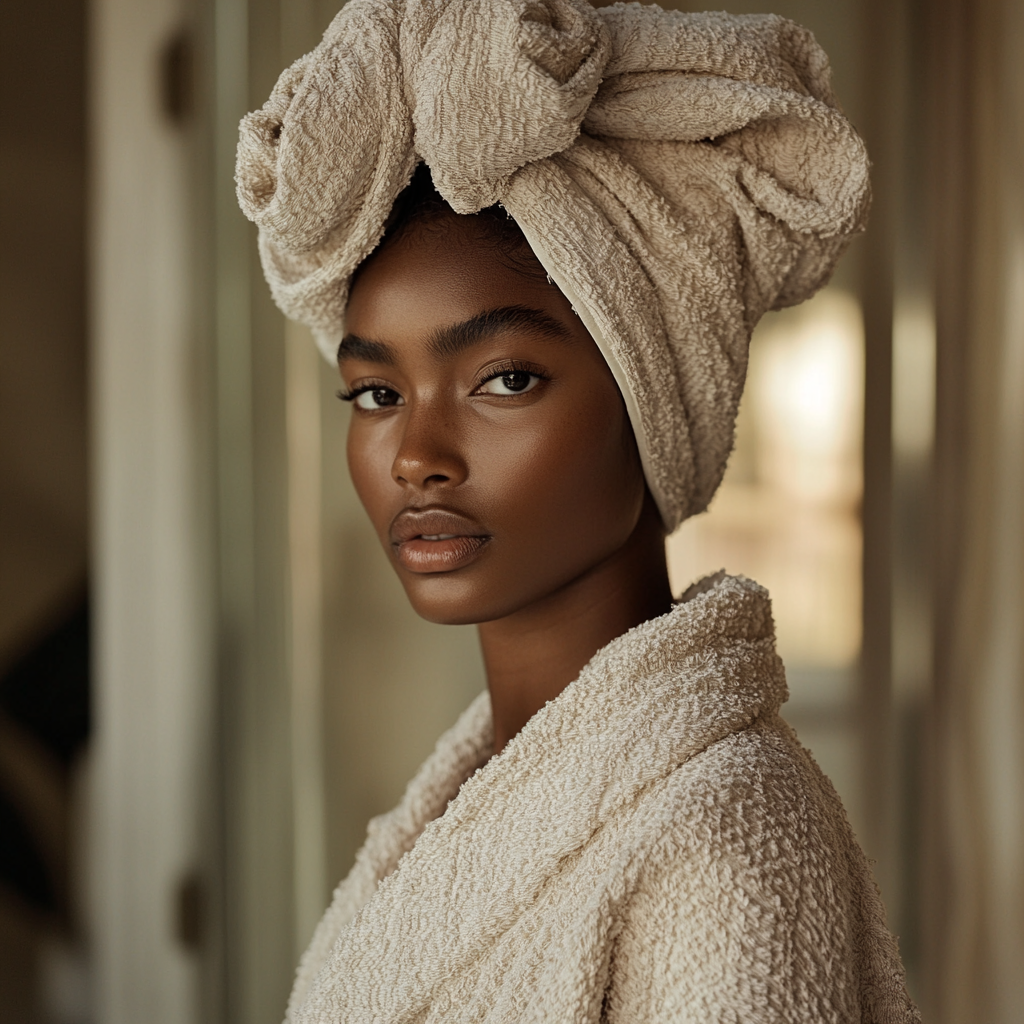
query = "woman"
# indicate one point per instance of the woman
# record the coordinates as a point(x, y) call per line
point(545, 357)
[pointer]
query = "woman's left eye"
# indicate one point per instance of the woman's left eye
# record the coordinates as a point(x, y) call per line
point(377, 398)
point(515, 382)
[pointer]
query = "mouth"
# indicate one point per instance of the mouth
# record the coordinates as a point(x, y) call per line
point(435, 540)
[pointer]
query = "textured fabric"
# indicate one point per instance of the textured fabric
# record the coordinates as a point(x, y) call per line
point(653, 846)
point(676, 174)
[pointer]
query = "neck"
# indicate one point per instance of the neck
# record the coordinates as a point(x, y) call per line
point(532, 655)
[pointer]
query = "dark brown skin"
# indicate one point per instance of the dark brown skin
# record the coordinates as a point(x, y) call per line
point(509, 441)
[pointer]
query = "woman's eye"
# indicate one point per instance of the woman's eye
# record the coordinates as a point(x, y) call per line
point(516, 382)
point(378, 398)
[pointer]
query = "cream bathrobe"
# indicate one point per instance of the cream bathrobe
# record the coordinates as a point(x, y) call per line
point(655, 845)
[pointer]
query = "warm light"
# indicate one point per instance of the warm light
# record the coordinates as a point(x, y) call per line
point(913, 376)
point(787, 512)
point(805, 387)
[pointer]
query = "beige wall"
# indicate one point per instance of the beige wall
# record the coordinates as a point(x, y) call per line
point(972, 853)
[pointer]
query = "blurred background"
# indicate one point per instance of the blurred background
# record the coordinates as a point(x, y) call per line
point(209, 679)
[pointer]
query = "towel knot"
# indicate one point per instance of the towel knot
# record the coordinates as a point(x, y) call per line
point(542, 62)
point(475, 106)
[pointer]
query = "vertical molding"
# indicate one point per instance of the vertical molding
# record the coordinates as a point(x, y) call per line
point(913, 399)
point(302, 371)
point(952, 185)
point(881, 105)
point(235, 488)
point(256, 739)
point(991, 663)
point(974, 846)
point(151, 541)
point(300, 32)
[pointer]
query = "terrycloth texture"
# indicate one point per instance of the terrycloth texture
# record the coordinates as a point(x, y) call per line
point(676, 174)
point(653, 846)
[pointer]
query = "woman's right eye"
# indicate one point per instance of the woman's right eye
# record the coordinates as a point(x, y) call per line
point(378, 398)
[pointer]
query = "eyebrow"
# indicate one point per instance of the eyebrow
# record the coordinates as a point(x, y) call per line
point(354, 347)
point(447, 342)
point(450, 341)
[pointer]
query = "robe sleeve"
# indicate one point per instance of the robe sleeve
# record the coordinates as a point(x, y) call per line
point(757, 904)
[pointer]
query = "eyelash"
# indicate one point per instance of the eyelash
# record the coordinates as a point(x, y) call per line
point(512, 366)
point(354, 393)
point(350, 396)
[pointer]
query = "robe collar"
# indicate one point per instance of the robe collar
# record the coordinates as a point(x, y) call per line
point(644, 705)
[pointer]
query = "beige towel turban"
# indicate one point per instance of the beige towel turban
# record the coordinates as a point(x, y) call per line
point(676, 174)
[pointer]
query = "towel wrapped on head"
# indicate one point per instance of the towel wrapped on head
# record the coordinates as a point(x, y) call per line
point(677, 175)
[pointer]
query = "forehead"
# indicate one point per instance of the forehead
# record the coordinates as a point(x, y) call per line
point(441, 273)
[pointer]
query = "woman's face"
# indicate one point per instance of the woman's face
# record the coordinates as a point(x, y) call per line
point(488, 442)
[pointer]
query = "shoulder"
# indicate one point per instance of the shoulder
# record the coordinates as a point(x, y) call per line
point(758, 831)
point(752, 903)
point(758, 799)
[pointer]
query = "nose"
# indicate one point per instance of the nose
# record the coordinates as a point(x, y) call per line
point(429, 454)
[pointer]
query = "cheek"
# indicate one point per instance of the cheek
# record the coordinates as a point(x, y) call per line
point(572, 482)
point(369, 465)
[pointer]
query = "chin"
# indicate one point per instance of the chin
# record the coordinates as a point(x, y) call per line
point(449, 601)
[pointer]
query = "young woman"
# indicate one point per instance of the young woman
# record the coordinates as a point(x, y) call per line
point(536, 238)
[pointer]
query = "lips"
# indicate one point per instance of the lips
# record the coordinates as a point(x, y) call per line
point(435, 540)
